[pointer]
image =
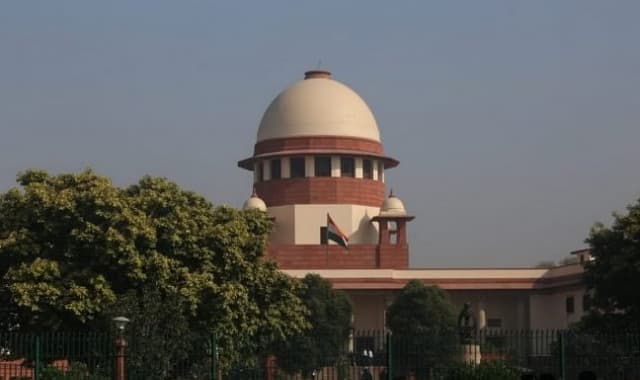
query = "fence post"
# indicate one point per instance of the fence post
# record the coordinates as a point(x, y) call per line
point(562, 356)
point(214, 359)
point(389, 358)
point(121, 358)
point(36, 367)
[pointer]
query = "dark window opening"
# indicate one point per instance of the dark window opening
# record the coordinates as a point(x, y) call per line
point(323, 235)
point(276, 169)
point(380, 171)
point(259, 172)
point(323, 166)
point(367, 169)
point(570, 305)
point(297, 167)
point(347, 167)
point(494, 322)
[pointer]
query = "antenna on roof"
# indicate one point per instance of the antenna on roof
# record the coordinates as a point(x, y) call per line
point(319, 63)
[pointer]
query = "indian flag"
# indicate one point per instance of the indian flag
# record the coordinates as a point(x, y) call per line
point(335, 234)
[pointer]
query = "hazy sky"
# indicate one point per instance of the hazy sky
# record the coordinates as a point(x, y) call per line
point(516, 123)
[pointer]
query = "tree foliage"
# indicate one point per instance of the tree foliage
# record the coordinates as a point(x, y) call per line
point(159, 333)
point(613, 277)
point(420, 309)
point(72, 245)
point(423, 322)
point(330, 319)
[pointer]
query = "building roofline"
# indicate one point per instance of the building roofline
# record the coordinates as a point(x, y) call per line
point(461, 279)
point(247, 163)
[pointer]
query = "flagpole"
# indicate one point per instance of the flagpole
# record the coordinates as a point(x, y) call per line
point(327, 256)
point(326, 238)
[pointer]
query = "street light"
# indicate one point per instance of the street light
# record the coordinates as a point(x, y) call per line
point(121, 347)
point(121, 323)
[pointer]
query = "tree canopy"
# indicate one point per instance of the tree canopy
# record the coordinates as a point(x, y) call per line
point(330, 319)
point(72, 245)
point(420, 309)
point(423, 321)
point(613, 277)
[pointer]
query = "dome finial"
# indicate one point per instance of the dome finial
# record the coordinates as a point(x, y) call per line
point(313, 74)
point(254, 193)
point(391, 193)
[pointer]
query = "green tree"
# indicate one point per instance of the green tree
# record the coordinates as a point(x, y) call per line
point(159, 333)
point(68, 245)
point(73, 245)
point(330, 319)
point(613, 277)
point(420, 309)
point(423, 322)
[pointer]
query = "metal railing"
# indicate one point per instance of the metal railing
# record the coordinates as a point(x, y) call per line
point(375, 355)
point(77, 355)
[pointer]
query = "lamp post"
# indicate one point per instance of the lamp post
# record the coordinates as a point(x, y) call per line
point(121, 347)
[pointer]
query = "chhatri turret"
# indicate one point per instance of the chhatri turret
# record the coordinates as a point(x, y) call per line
point(254, 203)
point(318, 152)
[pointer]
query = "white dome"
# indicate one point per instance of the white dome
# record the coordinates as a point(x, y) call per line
point(318, 106)
point(254, 203)
point(392, 206)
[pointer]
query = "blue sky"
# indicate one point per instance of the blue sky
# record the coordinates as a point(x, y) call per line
point(516, 123)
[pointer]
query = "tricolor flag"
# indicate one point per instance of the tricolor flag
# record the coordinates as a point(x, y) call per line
point(335, 234)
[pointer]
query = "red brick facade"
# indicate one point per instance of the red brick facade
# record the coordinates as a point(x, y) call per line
point(328, 190)
point(321, 190)
point(318, 142)
point(310, 145)
point(359, 256)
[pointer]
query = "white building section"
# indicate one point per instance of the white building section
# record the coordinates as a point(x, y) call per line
point(301, 224)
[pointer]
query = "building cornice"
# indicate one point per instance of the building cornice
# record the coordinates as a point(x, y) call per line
point(450, 279)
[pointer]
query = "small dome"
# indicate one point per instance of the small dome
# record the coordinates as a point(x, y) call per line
point(318, 106)
point(254, 203)
point(392, 206)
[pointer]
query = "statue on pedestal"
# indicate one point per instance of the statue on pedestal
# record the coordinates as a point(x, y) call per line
point(467, 330)
point(467, 325)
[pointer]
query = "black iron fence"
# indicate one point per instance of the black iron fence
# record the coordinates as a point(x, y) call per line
point(55, 355)
point(365, 355)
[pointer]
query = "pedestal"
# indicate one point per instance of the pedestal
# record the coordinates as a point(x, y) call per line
point(471, 354)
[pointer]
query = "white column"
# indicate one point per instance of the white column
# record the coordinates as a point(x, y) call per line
point(482, 319)
point(358, 165)
point(336, 168)
point(310, 168)
point(381, 171)
point(285, 167)
point(374, 166)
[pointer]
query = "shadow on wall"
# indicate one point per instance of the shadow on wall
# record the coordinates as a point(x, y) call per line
point(366, 233)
